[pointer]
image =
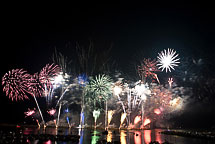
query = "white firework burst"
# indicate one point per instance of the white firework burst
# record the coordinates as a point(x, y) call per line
point(167, 59)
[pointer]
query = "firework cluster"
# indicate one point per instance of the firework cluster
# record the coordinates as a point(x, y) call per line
point(109, 98)
point(18, 84)
point(15, 84)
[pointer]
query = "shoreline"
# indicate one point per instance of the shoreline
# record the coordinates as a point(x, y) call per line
point(192, 134)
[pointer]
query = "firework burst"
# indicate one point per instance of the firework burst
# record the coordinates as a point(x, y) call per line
point(167, 60)
point(100, 87)
point(15, 84)
point(96, 114)
point(137, 119)
point(110, 116)
point(147, 69)
point(82, 80)
point(29, 112)
point(51, 111)
point(146, 121)
point(34, 86)
point(46, 76)
point(48, 72)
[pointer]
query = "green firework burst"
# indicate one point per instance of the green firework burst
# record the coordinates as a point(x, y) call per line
point(100, 88)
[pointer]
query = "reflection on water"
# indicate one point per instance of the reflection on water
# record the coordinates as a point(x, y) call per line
point(122, 136)
point(48, 142)
point(147, 136)
point(157, 136)
point(95, 137)
point(81, 134)
point(137, 137)
point(109, 136)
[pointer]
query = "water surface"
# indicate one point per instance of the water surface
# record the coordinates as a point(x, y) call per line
point(94, 136)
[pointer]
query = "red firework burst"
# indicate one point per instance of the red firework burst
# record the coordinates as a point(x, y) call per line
point(30, 112)
point(34, 86)
point(148, 68)
point(48, 72)
point(52, 111)
point(15, 84)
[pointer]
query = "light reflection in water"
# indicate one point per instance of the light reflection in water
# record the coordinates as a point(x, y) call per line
point(158, 136)
point(137, 137)
point(109, 136)
point(94, 138)
point(147, 136)
point(48, 142)
point(125, 137)
point(81, 133)
point(122, 137)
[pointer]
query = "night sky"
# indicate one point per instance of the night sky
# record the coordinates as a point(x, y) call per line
point(30, 34)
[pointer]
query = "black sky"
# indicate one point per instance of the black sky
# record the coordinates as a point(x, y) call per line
point(29, 34)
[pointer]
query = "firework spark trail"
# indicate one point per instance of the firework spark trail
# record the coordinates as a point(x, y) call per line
point(81, 119)
point(167, 60)
point(146, 121)
point(38, 123)
point(110, 116)
point(46, 92)
point(39, 109)
point(48, 96)
point(54, 84)
point(67, 119)
point(129, 99)
point(117, 90)
point(141, 91)
point(58, 117)
point(15, 84)
point(55, 123)
point(63, 94)
point(51, 94)
point(170, 81)
point(137, 119)
point(123, 107)
point(156, 76)
point(35, 88)
point(96, 114)
point(134, 101)
point(123, 116)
